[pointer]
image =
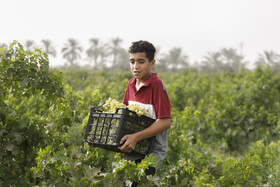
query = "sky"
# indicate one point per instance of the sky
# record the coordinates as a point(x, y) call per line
point(196, 26)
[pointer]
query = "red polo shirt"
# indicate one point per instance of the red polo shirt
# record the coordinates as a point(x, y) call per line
point(152, 96)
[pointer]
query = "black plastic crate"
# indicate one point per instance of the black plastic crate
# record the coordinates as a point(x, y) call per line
point(105, 130)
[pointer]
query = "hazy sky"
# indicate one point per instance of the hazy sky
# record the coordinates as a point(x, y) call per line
point(197, 26)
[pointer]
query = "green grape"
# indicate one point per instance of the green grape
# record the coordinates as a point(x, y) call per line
point(113, 131)
point(111, 141)
point(115, 122)
point(96, 140)
point(111, 105)
point(138, 109)
point(98, 130)
point(90, 138)
point(103, 139)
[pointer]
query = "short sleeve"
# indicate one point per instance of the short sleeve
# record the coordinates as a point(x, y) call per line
point(161, 101)
point(125, 98)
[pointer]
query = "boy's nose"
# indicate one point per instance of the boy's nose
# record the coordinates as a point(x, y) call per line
point(136, 65)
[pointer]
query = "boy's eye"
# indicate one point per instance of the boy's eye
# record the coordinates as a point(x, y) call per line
point(139, 62)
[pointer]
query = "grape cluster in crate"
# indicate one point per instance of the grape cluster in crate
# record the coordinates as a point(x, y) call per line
point(105, 129)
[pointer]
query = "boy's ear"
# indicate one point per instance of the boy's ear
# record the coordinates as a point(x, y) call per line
point(153, 62)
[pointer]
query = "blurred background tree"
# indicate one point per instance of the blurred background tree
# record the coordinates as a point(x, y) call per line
point(48, 47)
point(111, 55)
point(72, 51)
point(269, 58)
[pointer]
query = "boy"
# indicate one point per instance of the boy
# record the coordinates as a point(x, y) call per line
point(147, 90)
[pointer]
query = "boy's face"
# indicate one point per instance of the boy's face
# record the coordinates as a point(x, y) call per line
point(141, 66)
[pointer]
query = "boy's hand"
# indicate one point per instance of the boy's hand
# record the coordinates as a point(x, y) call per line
point(130, 143)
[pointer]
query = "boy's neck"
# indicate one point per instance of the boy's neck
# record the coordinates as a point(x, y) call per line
point(139, 84)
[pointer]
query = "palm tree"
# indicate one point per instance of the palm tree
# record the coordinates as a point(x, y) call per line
point(97, 51)
point(103, 50)
point(29, 45)
point(48, 47)
point(176, 59)
point(115, 49)
point(234, 61)
point(123, 60)
point(72, 51)
point(161, 63)
point(269, 58)
point(212, 62)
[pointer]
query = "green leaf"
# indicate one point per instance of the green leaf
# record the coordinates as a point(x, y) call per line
point(14, 149)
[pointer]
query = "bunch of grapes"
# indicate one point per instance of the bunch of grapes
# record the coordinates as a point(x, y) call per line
point(111, 105)
point(138, 109)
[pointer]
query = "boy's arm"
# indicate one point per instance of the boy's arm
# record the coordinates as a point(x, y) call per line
point(131, 139)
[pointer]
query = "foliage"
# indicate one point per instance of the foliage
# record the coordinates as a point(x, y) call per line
point(234, 110)
point(27, 88)
point(224, 132)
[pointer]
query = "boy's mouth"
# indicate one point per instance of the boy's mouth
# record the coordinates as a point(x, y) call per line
point(136, 72)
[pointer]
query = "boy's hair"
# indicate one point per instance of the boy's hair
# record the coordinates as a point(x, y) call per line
point(143, 46)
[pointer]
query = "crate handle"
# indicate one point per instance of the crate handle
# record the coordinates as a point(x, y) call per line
point(117, 111)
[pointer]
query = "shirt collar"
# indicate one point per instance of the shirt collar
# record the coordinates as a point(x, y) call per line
point(148, 82)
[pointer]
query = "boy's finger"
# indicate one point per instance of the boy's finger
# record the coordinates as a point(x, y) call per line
point(123, 139)
point(122, 148)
